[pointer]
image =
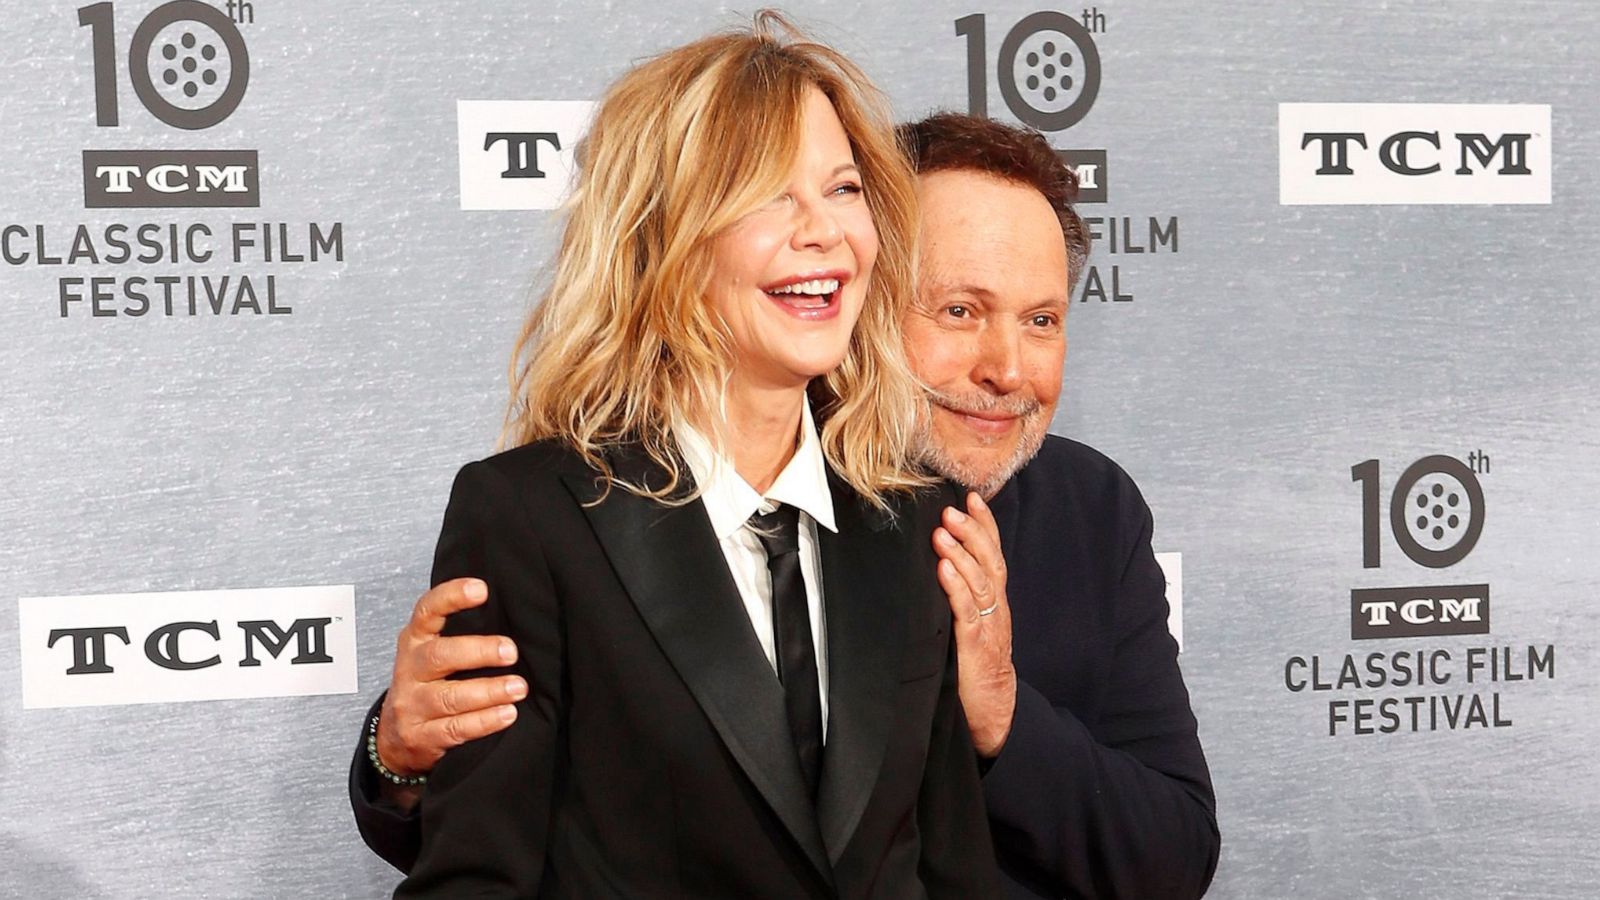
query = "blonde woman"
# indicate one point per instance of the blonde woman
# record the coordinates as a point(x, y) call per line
point(706, 544)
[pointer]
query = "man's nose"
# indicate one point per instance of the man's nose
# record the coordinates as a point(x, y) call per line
point(998, 367)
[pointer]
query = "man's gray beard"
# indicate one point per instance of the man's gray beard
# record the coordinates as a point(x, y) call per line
point(986, 483)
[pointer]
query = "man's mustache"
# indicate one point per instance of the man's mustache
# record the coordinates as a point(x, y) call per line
point(1013, 405)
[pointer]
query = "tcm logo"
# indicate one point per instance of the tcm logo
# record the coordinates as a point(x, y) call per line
point(162, 646)
point(1396, 152)
point(518, 154)
point(1090, 167)
point(1435, 516)
point(1392, 153)
point(1419, 611)
point(170, 178)
point(189, 67)
point(192, 645)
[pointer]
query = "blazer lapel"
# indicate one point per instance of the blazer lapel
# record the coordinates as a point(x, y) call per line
point(866, 630)
point(672, 567)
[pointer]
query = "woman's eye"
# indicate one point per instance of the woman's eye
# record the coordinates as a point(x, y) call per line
point(848, 187)
point(957, 311)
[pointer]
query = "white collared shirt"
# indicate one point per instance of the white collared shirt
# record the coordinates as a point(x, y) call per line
point(730, 501)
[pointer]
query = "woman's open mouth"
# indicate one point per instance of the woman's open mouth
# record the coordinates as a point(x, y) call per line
point(813, 299)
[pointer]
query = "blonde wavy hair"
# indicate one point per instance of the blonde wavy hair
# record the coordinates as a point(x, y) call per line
point(625, 342)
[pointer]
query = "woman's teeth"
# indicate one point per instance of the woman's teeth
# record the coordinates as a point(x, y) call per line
point(813, 294)
point(814, 286)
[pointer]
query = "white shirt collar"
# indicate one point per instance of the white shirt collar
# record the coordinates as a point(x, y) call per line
point(731, 501)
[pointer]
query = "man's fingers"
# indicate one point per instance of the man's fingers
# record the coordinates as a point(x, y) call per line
point(978, 508)
point(443, 734)
point(444, 699)
point(442, 657)
point(955, 588)
point(427, 617)
point(978, 581)
point(984, 517)
point(979, 535)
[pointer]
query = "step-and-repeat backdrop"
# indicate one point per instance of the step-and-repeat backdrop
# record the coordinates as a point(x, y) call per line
point(262, 263)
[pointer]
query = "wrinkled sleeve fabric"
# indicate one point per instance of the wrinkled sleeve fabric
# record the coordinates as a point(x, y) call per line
point(487, 808)
point(1124, 809)
point(390, 832)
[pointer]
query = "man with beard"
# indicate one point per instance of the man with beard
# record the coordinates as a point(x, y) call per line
point(1093, 776)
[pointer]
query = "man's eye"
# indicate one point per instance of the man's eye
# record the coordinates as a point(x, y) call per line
point(1044, 321)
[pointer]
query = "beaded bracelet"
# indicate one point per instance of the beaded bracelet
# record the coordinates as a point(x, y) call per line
point(383, 770)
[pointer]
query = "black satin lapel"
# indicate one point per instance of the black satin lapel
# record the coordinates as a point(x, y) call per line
point(862, 588)
point(668, 560)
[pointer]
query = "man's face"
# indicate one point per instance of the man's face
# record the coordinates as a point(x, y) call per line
point(988, 330)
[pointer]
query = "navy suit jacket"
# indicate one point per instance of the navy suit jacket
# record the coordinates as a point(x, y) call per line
point(1101, 789)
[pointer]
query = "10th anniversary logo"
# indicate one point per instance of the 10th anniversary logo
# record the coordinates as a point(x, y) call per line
point(1436, 515)
point(189, 66)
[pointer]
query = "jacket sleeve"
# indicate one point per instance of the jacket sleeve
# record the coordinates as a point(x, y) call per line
point(392, 834)
point(487, 806)
point(1125, 810)
point(957, 854)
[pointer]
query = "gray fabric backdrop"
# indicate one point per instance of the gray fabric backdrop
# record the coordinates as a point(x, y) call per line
point(1258, 360)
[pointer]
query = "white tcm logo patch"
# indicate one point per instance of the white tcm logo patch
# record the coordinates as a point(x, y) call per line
point(518, 154)
point(114, 649)
point(1172, 567)
point(1413, 153)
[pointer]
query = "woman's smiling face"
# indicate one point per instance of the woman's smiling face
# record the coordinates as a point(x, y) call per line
point(789, 279)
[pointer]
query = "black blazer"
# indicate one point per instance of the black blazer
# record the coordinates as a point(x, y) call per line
point(652, 757)
point(1101, 789)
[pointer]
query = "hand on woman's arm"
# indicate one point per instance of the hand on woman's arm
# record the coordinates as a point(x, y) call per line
point(485, 811)
point(426, 711)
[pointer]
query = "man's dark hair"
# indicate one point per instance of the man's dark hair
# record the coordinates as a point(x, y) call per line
point(949, 141)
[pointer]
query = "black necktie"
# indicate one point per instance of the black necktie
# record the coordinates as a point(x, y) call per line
point(779, 532)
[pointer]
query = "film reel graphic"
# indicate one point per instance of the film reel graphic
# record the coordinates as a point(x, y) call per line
point(1436, 512)
point(198, 75)
point(1049, 70)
